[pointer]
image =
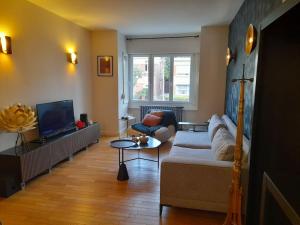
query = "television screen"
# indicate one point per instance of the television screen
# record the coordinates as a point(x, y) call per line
point(55, 118)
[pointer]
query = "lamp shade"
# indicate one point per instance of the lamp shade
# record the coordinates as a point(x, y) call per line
point(5, 44)
point(250, 41)
point(228, 56)
point(72, 57)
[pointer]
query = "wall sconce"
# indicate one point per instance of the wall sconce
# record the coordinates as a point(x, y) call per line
point(250, 42)
point(5, 44)
point(72, 57)
point(229, 56)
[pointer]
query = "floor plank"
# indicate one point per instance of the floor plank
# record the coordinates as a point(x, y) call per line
point(85, 191)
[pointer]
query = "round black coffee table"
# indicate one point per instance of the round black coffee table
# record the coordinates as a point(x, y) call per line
point(126, 144)
point(121, 144)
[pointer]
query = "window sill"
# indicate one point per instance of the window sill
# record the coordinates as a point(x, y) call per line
point(186, 105)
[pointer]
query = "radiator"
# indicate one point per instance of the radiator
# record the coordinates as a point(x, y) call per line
point(176, 109)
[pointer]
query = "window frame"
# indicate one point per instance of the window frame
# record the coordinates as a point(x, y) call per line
point(193, 90)
point(171, 77)
point(130, 74)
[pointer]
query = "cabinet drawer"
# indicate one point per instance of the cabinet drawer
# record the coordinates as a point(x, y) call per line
point(61, 149)
point(35, 162)
point(80, 140)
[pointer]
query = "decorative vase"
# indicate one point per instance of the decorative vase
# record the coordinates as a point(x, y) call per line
point(18, 119)
point(134, 138)
point(143, 139)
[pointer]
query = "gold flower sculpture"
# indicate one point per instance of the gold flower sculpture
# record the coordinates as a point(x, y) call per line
point(17, 118)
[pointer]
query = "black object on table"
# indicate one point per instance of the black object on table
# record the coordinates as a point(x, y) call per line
point(151, 144)
point(121, 144)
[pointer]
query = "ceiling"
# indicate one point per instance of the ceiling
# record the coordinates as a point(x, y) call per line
point(144, 17)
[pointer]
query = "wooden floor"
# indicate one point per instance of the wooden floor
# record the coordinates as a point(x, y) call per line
point(85, 191)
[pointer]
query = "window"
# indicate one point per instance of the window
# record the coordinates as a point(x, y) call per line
point(140, 78)
point(182, 77)
point(165, 78)
point(182, 90)
point(161, 78)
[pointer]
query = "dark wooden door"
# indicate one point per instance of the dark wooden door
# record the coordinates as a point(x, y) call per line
point(276, 123)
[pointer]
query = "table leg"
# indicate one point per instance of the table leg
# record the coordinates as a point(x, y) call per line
point(123, 173)
point(127, 126)
point(119, 158)
point(158, 157)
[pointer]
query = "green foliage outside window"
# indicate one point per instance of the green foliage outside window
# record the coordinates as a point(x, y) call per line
point(167, 69)
point(137, 74)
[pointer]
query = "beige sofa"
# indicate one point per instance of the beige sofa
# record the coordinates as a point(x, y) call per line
point(192, 177)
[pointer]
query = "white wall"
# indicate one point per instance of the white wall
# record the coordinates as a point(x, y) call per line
point(105, 89)
point(212, 46)
point(123, 81)
point(108, 107)
point(212, 82)
point(38, 71)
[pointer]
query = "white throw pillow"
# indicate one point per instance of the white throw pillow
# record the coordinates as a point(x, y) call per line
point(214, 124)
point(223, 145)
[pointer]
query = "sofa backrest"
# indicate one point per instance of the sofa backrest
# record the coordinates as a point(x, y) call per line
point(246, 143)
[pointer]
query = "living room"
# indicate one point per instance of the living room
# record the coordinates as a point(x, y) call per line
point(114, 63)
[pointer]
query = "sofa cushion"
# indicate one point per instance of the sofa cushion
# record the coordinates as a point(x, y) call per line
point(232, 129)
point(192, 140)
point(145, 129)
point(214, 124)
point(151, 120)
point(223, 145)
point(157, 113)
point(201, 154)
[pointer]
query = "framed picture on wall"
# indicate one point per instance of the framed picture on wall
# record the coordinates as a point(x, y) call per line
point(105, 66)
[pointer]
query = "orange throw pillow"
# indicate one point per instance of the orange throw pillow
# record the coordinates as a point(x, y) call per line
point(151, 120)
point(157, 113)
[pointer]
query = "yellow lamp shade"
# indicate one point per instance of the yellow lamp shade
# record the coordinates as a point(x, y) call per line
point(250, 41)
point(72, 57)
point(228, 56)
point(5, 44)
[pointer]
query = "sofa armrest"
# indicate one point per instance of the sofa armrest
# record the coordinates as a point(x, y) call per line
point(172, 130)
point(195, 180)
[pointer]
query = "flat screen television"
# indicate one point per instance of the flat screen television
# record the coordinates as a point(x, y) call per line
point(55, 118)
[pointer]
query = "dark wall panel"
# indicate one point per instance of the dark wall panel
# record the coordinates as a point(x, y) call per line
point(252, 11)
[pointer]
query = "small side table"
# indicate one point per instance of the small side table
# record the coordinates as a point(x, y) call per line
point(203, 126)
point(121, 144)
point(129, 145)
